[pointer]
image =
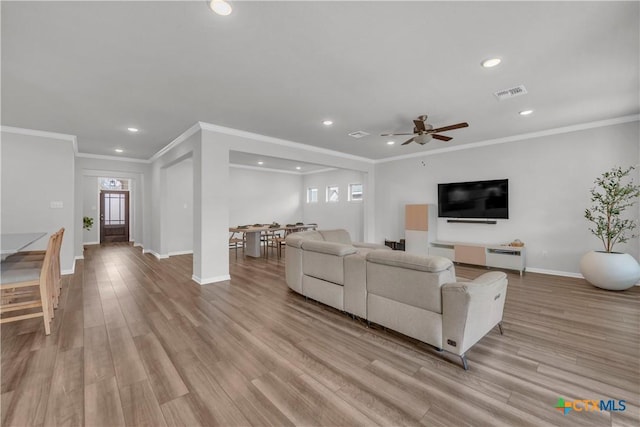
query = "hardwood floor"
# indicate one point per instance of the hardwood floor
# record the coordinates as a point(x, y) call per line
point(135, 342)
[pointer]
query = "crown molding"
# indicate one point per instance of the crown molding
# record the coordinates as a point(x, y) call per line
point(44, 134)
point(515, 138)
point(179, 140)
point(283, 142)
point(103, 157)
point(261, 169)
point(320, 171)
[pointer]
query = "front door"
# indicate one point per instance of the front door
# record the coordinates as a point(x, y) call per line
point(114, 216)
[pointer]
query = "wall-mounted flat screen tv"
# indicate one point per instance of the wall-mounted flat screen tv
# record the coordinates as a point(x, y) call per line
point(478, 199)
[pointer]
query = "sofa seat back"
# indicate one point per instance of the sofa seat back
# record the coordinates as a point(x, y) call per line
point(409, 279)
point(336, 236)
point(325, 260)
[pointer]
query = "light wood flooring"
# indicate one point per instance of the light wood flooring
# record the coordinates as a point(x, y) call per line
point(136, 343)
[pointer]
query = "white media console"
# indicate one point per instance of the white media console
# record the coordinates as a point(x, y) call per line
point(420, 238)
point(491, 255)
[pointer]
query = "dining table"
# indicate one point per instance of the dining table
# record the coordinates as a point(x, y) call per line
point(11, 243)
point(253, 233)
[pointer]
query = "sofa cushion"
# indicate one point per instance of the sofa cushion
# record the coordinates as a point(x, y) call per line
point(330, 248)
point(406, 285)
point(337, 236)
point(296, 239)
point(432, 264)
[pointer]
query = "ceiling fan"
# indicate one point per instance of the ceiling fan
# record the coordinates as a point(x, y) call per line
point(423, 132)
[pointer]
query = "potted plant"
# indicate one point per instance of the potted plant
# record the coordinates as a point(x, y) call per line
point(87, 223)
point(613, 193)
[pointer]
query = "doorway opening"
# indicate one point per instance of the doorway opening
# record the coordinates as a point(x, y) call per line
point(114, 211)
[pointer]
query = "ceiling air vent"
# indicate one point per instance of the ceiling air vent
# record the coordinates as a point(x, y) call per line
point(358, 134)
point(511, 92)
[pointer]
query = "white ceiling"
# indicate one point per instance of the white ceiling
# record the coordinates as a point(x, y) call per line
point(92, 69)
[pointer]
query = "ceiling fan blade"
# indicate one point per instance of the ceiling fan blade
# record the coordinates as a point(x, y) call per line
point(441, 137)
point(408, 141)
point(451, 127)
point(419, 125)
point(395, 134)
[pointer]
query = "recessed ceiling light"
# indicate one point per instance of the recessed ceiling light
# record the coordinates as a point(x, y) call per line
point(327, 122)
point(220, 7)
point(298, 168)
point(390, 142)
point(261, 162)
point(525, 112)
point(119, 150)
point(133, 130)
point(491, 62)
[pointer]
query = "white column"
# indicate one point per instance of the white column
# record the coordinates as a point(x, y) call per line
point(210, 209)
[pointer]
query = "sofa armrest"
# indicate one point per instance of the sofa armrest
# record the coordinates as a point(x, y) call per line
point(370, 245)
point(329, 248)
point(471, 309)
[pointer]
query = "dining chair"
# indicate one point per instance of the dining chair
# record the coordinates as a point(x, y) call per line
point(23, 290)
point(34, 259)
point(237, 242)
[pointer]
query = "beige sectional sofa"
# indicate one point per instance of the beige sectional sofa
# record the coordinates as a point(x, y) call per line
point(418, 296)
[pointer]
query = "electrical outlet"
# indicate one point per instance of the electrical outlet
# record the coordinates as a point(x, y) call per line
point(56, 205)
point(545, 253)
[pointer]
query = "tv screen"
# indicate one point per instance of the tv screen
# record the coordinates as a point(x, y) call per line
point(478, 199)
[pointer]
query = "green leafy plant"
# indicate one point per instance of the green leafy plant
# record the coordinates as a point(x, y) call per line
point(611, 196)
point(87, 223)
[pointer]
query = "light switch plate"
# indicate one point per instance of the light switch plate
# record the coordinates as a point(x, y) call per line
point(56, 205)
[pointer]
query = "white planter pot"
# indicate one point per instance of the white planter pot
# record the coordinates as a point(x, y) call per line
point(612, 271)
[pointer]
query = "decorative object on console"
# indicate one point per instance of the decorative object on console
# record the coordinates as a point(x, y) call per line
point(611, 196)
point(517, 243)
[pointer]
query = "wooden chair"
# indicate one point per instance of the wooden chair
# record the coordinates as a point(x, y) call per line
point(34, 259)
point(24, 290)
point(275, 240)
point(236, 242)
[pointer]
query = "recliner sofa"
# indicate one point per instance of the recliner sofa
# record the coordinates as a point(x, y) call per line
point(418, 296)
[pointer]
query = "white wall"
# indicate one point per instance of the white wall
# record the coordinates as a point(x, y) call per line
point(179, 207)
point(341, 214)
point(264, 197)
point(549, 180)
point(35, 172)
point(91, 208)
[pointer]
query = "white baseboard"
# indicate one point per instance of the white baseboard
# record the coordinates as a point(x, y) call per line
point(155, 254)
point(560, 273)
point(137, 244)
point(180, 253)
point(90, 243)
point(73, 267)
point(206, 281)
point(555, 272)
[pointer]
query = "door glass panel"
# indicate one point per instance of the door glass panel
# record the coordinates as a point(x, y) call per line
point(114, 209)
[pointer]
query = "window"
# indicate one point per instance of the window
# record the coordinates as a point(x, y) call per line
point(312, 195)
point(355, 192)
point(333, 193)
point(113, 184)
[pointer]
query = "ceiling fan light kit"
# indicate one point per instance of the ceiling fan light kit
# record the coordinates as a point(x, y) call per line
point(424, 132)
